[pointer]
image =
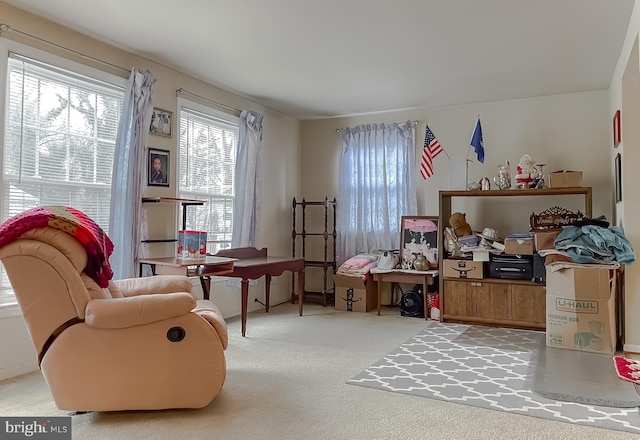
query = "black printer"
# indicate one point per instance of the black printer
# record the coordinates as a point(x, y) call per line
point(511, 267)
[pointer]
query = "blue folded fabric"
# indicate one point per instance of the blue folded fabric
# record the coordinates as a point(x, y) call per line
point(595, 244)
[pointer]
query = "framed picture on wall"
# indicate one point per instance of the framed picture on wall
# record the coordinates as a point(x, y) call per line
point(617, 136)
point(419, 235)
point(158, 164)
point(618, 177)
point(161, 122)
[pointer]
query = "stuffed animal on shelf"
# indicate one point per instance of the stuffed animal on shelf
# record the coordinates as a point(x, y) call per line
point(458, 222)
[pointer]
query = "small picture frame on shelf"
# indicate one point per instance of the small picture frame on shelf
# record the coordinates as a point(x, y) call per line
point(161, 122)
point(419, 235)
point(158, 165)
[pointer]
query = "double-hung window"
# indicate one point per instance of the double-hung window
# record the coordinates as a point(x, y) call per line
point(60, 131)
point(207, 159)
point(376, 187)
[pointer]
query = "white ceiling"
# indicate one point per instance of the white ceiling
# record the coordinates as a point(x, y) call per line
point(325, 58)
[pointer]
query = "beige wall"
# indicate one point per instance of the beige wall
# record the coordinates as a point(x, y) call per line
point(570, 131)
point(280, 166)
point(624, 95)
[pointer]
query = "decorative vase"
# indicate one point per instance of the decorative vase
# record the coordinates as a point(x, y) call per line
point(421, 262)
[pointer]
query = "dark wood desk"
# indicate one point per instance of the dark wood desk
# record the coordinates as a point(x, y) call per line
point(404, 276)
point(252, 264)
point(204, 268)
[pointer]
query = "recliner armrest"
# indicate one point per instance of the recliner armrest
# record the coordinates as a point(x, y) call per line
point(155, 284)
point(137, 310)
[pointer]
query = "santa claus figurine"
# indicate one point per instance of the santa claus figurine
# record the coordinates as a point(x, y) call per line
point(526, 171)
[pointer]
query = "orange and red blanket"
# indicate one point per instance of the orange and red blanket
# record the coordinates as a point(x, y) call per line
point(72, 221)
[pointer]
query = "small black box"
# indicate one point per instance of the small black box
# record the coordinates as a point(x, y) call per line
point(513, 267)
point(539, 269)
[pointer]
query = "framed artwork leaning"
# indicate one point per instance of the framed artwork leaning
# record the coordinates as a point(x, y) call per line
point(158, 165)
point(419, 236)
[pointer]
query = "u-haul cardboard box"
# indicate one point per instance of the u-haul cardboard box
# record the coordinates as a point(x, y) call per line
point(581, 309)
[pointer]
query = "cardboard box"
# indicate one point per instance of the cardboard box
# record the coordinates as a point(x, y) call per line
point(192, 244)
point(463, 269)
point(352, 294)
point(581, 309)
point(565, 179)
point(545, 239)
point(518, 245)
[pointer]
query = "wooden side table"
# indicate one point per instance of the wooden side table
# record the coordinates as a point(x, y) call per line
point(425, 278)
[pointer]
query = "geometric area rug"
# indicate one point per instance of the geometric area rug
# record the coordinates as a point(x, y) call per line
point(482, 366)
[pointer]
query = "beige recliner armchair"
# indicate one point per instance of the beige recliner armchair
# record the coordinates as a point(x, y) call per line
point(140, 344)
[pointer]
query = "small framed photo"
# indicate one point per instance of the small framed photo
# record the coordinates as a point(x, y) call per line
point(617, 137)
point(618, 177)
point(161, 122)
point(158, 167)
point(419, 235)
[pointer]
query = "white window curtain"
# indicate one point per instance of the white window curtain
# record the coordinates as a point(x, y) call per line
point(376, 187)
point(246, 208)
point(129, 166)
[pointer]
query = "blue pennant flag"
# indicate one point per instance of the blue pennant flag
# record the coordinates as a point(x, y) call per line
point(477, 143)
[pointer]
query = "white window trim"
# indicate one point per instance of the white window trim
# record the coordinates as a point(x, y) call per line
point(187, 103)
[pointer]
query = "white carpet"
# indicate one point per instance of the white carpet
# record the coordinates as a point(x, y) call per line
point(485, 367)
point(286, 380)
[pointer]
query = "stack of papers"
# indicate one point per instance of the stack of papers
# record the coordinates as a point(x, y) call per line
point(483, 249)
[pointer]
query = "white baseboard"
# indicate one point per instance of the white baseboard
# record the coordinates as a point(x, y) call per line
point(631, 348)
point(8, 373)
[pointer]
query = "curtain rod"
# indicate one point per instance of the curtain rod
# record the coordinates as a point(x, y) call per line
point(226, 107)
point(338, 130)
point(5, 27)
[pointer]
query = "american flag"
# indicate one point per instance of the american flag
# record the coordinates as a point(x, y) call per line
point(430, 150)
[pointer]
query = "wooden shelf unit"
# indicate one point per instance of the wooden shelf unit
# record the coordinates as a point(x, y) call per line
point(510, 303)
point(326, 295)
point(491, 301)
point(184, 203)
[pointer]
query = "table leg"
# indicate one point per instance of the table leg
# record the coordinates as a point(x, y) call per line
point(245, 298)
point(300, 290)
point(424, 296)
point(379, 293)
point(267, 290)
point(205, 282)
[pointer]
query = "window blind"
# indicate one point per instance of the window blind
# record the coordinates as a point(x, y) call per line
point(207, 156)
point(59, 142)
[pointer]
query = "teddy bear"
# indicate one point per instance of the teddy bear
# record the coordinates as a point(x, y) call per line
point(458, 222)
